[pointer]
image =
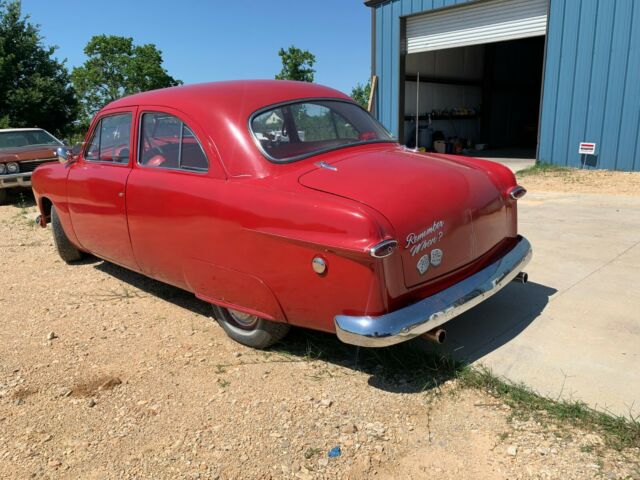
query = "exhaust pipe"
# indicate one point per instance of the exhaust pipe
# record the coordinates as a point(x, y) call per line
point(522, 277)
point(437, 335)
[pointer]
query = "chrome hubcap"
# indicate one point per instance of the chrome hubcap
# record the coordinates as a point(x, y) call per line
point(243, 320)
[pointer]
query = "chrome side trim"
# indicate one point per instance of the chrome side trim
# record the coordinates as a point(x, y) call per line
point(431, 312)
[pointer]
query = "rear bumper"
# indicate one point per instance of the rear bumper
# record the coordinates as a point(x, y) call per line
point(431, 312)
point(16, 180)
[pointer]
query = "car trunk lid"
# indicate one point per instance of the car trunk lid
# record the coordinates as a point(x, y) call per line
point(445, 213)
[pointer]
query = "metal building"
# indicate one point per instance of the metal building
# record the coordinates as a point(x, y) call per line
point(528, 77)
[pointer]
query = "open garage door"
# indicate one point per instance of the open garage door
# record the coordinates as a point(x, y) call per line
point(484, 22)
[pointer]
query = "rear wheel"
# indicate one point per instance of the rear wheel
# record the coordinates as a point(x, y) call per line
point(250, 330)
point(67, 251)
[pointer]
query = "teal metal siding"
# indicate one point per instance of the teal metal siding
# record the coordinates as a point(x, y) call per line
point(591, 82)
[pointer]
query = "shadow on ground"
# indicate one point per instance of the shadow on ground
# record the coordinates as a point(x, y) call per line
point(20, 198)
point(410, 367)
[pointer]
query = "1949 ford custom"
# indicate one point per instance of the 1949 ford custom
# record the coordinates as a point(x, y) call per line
point(285, 203)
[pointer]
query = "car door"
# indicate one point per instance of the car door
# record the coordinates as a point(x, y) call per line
point(96, 187)
point(172, 196)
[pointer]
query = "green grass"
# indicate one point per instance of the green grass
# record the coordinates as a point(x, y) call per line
point(619, 432)
point(541, 168)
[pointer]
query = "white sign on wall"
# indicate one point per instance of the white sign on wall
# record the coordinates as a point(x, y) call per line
point(587, 148)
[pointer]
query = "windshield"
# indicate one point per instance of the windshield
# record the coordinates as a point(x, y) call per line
point(297, 130)
point(25, 138)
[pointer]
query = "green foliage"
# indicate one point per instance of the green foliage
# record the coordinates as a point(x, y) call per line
point(619, 432)
point(541, 168)
point(34, 87)
point(360, 93)
point(115, 67)
point(296, 65)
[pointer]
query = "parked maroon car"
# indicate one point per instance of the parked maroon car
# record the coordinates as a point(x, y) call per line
point(285, 203)
point(21, 151)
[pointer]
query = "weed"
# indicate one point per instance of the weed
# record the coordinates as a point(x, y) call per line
point(541, 168)
point(588, 448)
point(312, 452)
point(619, 432)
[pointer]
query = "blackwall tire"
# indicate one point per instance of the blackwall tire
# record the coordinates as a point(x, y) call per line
point(67, 251)
point(250, 330)
point(3, 195)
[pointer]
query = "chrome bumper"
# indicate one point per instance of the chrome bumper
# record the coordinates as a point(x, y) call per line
point(427, 314)
point(16, 180)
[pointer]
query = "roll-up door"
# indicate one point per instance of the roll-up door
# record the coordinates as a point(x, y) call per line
point(483, 22)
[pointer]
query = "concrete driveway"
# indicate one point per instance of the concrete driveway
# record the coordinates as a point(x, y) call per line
point(573, 331)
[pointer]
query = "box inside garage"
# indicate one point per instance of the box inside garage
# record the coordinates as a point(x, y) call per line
point(472, 86)
point(520, 78)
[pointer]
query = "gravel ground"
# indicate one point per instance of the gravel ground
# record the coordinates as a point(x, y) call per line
point(107, 374)
point(582, 181)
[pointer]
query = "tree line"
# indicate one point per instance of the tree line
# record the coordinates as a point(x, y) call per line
point(37, 89)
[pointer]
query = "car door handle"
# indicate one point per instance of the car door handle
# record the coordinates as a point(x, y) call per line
point(121, 194)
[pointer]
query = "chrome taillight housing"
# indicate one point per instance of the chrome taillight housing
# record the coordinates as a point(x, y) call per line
point(384, 248)
point(517, 192)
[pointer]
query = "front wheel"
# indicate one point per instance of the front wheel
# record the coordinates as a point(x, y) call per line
point(250, 330)
point(67, 251)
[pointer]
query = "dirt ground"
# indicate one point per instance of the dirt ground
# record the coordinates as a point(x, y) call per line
point(107, 374)
point(583, 181)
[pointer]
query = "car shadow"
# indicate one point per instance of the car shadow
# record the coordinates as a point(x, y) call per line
point(20, 198)
point(409, 367)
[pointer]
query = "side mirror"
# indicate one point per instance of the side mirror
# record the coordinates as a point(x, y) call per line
point(64, 155)
point(77, 148)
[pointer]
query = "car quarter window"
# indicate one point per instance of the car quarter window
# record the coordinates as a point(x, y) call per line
point(110, 140)
point(167, 142)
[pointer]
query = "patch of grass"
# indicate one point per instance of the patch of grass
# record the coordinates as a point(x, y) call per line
point(618, 432)
point(312, 452)
point(541, 168)
point(587, 448)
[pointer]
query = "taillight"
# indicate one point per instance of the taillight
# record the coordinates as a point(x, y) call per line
point(384, 248)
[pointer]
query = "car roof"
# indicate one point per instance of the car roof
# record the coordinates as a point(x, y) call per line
point(223, 110)
point(253, 94)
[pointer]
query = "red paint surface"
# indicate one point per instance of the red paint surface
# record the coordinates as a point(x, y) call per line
point(244, 233)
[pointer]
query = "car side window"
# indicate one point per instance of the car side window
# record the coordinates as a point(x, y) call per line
point(110, 140)
point(167, 142)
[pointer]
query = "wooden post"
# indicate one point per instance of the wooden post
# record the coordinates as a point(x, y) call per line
point(374, 84)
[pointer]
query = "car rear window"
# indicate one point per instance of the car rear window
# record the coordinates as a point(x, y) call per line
point(290, 132)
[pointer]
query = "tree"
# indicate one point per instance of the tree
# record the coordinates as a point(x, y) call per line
point(115, 67)
point(296, 64)
point(34, 87)
point(360, 93)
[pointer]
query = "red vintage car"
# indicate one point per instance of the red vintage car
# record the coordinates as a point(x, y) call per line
point(285, 203)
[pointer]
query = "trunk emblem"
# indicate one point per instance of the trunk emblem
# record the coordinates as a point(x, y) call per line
point(436, 257)
point(423, 264)
point(326, 166)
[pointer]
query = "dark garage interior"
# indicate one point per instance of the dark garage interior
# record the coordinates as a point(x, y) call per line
point(481, 100)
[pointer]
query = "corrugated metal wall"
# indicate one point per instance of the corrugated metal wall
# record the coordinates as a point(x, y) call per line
point(591, 85)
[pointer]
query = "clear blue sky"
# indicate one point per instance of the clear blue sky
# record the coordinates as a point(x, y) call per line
point(208, 40)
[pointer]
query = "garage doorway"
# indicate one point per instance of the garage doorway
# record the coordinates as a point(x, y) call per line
point(479, 95)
